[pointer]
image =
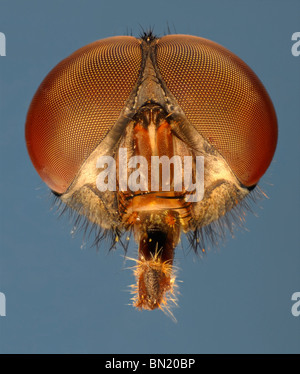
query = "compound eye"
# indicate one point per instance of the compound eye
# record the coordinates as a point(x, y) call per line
point(223, 99)
point(77, 104)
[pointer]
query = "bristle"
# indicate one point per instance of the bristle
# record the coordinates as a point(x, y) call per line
point(147, 35)
point(215, 233)
point(199, 239)
point(160, 292)
point(91, 231)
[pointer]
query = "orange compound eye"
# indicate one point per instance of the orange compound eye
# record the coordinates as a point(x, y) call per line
point(223, 99)
point(77, 104)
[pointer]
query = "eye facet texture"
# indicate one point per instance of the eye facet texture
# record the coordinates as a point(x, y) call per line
point(223, 99)
point(82, 97)
point(77, 104)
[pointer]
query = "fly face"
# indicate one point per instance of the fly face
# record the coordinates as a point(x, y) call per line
point(156, 136)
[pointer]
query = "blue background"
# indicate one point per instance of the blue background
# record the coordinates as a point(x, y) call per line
point(61, 298)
